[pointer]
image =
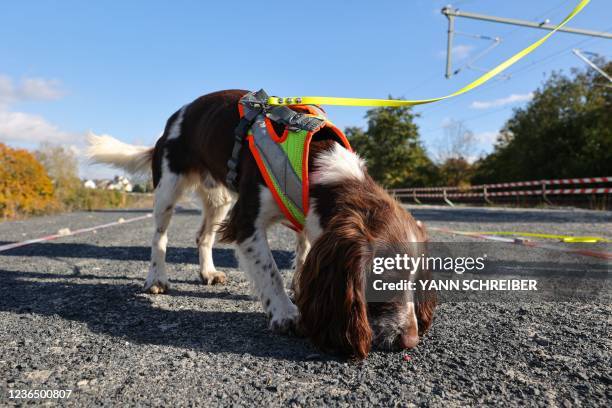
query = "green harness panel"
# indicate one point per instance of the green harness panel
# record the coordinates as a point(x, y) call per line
point(293, 147)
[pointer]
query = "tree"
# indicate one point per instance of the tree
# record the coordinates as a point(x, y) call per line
point(143, 183)
point(61, 163)
point(457, 143)
point(25, 187)
point(453, 154)
point(391, 147)
point(455, 172)
point(565, 131)
point(62, 166)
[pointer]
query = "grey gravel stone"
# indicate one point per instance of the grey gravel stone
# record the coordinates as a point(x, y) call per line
point(72, 316)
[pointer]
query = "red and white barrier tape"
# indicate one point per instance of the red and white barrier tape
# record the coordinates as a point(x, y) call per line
point(516, 184)
point(581, 180)
point(71, 233)
point(581, 191)
point(513, 193)
point(585, 180)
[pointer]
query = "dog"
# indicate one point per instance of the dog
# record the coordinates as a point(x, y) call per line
point(348, 216)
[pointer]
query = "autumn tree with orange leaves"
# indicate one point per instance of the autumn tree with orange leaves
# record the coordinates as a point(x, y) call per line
point(25, 186)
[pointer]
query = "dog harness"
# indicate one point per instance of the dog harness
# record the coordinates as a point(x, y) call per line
point(282, 159)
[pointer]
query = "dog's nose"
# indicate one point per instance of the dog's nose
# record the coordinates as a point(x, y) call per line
point(408, 340)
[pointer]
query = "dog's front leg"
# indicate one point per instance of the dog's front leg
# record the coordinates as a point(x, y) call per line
point(256, 257)
point(248, 229)
point(302, 247)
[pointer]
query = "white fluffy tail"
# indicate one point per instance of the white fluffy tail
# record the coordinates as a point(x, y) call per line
point(108, 150)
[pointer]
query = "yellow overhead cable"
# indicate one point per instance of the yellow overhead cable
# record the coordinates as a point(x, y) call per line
point(330, 100)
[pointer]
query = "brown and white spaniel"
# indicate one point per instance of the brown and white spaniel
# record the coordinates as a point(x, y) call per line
point(349, 215)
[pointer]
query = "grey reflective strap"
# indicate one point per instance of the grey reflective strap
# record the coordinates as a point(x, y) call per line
point(255, 98)
point(288, 117)
point(240, 132)
point(278, 163)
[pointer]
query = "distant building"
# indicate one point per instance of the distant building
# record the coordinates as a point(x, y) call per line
point(119, 183)
point(89, 184)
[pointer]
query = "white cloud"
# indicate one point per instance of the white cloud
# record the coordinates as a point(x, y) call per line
point(459, 52)
point(22, 127)
point(28, 89)
point(514, 98)
point(26, 129)
point(486, 137)
point(29, 128)
point(462, 51)
point(7, 90)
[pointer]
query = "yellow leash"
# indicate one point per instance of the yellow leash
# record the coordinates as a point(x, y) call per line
point(562, 238)
point(329, 100)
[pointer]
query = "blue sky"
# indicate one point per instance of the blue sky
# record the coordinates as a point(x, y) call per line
point(121, 68)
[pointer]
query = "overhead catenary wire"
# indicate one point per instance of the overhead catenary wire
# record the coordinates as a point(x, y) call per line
point(514, 74)
point(501, 67)
point(490, 85)
point(504, 35)
point(546, 14)
point(514, 29)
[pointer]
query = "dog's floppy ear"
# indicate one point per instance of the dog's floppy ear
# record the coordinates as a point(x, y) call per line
point(331, 296)
point(424, 309)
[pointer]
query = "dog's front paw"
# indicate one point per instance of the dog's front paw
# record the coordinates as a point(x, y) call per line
point(285, 320)
point(156, 288)
point(213, 278)
point(156, 284)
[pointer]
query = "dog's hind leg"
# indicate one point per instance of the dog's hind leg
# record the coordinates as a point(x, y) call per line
point(167, 193)
point(216, 202)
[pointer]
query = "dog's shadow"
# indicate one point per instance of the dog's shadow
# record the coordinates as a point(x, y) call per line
point(222, 257)
point(121, 310)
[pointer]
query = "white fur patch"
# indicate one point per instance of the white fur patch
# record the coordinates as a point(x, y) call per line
point(269, 213)
point(336, 165)
point(312, 227)
point(175, 128)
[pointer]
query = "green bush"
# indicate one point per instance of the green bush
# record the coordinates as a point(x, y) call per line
point(82, 198)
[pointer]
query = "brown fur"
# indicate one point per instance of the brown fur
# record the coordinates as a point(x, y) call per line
point(357, 216)
point(331, 290)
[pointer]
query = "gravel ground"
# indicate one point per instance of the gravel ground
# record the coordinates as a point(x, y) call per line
point(73, 317)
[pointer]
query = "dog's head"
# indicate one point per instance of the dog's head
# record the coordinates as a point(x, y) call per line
point(331, 288)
